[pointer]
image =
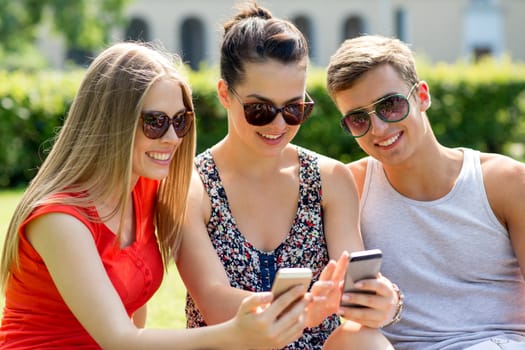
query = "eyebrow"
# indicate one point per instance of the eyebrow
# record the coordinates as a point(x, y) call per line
point(183, 109)
point(267, 100)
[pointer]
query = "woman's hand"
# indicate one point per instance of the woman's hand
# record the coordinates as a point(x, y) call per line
point(380, 308)
point(326, 292)
point(262, 323)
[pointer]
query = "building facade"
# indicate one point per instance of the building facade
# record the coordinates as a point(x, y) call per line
point(440, 30)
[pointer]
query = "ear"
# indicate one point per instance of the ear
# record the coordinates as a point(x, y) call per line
point(223, 93)
point(423, 95)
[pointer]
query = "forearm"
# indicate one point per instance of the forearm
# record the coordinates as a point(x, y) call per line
point(221, 304)
point(223, 336)
point(140, 316)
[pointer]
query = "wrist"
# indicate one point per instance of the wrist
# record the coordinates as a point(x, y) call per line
point(400, 306)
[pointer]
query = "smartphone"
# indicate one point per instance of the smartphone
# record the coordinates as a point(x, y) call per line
point(362, 265)
point(287, 278)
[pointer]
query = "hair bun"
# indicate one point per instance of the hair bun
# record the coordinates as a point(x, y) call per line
point(248, 10)
point(255, 11)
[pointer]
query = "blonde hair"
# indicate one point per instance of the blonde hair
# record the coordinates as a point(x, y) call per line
point(359, 55)
point(92, 154)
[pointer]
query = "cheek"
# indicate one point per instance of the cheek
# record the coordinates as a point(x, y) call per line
point(237, 121)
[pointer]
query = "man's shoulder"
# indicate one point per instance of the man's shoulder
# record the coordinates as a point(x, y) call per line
point(494, 164)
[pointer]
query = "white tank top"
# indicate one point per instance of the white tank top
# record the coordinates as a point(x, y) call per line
point(452, 259)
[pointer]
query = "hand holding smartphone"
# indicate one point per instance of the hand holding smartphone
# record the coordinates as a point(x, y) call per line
point(362, 265)
point(287, 278)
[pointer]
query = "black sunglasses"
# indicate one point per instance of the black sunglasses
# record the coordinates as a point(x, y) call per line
point(390, 109)
point(262, 113)
point(156, 124)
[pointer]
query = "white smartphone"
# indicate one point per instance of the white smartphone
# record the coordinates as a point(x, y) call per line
point(287, 278)
point(362, 265)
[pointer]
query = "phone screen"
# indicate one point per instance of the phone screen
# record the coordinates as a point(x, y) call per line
point(362, 265)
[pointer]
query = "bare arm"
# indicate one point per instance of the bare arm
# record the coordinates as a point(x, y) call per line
point(140, 316)
point(341, 188)
point(504, 180)
point(340, 208)
point(69, 252)
point(199, 265)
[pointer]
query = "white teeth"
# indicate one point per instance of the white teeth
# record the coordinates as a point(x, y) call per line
point(390, 140)
point(271, 137)
point(159, 156)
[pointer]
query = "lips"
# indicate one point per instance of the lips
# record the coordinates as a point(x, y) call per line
point(390, 140)
point(159, 156)
point(271, 137)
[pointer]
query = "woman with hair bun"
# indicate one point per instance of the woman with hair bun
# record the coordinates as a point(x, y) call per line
point(257, 202)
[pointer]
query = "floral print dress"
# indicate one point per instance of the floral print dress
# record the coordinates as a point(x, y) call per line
point(251, 269)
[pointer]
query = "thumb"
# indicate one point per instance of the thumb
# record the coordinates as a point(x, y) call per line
point(255, 302)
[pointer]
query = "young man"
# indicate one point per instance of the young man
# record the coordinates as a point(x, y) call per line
point(450, 221)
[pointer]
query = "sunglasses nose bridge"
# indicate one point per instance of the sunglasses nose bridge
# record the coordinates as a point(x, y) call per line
point(171, 132)
point(279, 111)
point(376, 123)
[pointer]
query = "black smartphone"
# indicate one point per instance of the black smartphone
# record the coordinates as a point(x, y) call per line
point(287, 278)
point(362, 265)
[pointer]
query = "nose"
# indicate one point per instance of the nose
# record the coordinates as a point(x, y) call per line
point(279, 119)
point(377, 126)
point(171, 136)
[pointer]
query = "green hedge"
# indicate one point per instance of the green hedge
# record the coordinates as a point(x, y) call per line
point(480, 106)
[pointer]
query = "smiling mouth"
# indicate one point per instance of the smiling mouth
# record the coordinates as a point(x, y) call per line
point(390, 141)
point(271, 137)
point(159, 156)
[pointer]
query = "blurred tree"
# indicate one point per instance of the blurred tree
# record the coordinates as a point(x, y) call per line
point(84, 24)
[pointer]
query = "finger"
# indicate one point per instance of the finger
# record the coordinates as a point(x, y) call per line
point(366, 316)
point(340, 268)
point(285, 300)
point(255, 302)
point(370, 285)
point(328, 271)
point(361, 299)
point(290, 334)
point(321, 288)
point(293, 317)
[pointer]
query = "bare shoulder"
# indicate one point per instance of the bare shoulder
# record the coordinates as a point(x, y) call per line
point(498, 168)
point(198, 200)
point(504, 180)
point(330, 167)
point(335, 173)
point(336, 178)
point(52, 230)
point(358, 169)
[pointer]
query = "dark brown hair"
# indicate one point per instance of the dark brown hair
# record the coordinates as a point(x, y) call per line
point(254, 35)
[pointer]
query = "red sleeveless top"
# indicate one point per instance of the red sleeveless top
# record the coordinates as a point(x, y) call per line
point(35, 315)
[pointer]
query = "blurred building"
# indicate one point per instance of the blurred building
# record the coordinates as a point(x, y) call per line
point(440, 30)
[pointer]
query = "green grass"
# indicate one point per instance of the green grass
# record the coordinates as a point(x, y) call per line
point(165, 309)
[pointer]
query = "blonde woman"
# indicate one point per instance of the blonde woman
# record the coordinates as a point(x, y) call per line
point(91, 237)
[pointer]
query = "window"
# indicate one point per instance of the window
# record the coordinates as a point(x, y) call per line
point(483, 31)
point(400, 22)
point(193, 42)
point(353, 27)
point(137, 29)
point(305, 26)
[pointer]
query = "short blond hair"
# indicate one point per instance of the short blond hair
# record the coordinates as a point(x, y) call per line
point(361, 54)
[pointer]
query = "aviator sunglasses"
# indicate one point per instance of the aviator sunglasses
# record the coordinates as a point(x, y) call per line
point(156, 124)
point(390, 109)
point(262, 113)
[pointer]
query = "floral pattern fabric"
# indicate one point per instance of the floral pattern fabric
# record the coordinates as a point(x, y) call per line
point(304, 246)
